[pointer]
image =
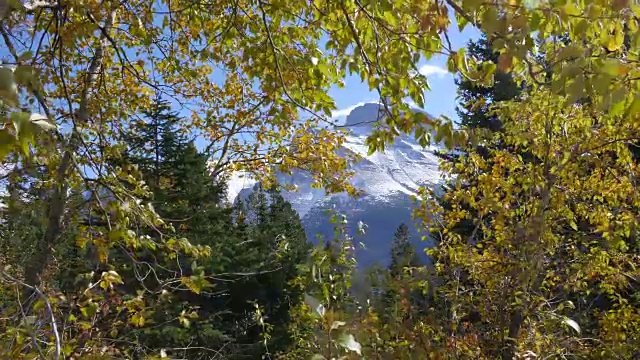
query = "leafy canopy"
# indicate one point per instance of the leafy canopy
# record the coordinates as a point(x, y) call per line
point(254, 78)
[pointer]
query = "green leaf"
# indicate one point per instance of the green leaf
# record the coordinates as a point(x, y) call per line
point(580, 28)
point(109, 278)
point(89, 309)
point(137, 320)
point(576, 89)
point(20, 120)
point(7, 79)
point(7, 143)
point(67, 349)
point(617, 101)
point(462, 21)
point(184, 321)
point(573, 225)
point(188, 282)
point(23, 74)
point(634, 108)
point(570, 51)
point(613, 42)
point(571, 9)
point(613, 67)
point(195, 283)
point(490, 21)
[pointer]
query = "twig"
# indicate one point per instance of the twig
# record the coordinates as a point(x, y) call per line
point(54, 327)
point(462, 13)
point(14, 53)
point(274, 49)
point(31, 333)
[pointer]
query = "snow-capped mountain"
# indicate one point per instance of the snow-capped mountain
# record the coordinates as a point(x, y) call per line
point(388, 180)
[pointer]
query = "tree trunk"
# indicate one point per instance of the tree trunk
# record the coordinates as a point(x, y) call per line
point(510, 346)
point(36, 265)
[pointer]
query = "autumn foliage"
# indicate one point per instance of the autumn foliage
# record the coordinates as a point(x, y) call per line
point(536, 235)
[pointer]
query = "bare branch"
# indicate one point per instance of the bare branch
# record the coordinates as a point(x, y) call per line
point(54, 326)
point(56, 209)
point(14, 53)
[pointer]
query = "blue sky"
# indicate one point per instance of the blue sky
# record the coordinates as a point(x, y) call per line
point(440, 100)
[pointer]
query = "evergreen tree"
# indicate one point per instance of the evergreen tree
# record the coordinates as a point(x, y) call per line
point(476, 99)
point(403, 253)
point(403, 294)
point(474, 114)
point(188, 198)
point(256, 245)
point(184, 192)
point(274, 247)
point(154, 142)
point(23, 222)
point(474, 110)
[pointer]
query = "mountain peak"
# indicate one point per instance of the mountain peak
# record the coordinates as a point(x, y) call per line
point(388, 180)
point(364, 115)
point(367, 114)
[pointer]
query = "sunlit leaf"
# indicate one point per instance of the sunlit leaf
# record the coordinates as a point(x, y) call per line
point(314, 304)
point(42, 121)
point(574, 325)
point(348, 341)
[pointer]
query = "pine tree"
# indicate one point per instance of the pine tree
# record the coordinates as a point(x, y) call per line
point(474, 111)
point(475, 99)
point(153, 142)
point(403, 253)
point(184, 192)
point(188, 198)
point(470, 228)
point(275, 246)
point(403, 294)
point(23, 222)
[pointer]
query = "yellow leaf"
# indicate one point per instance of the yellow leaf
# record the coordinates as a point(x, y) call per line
point(505, 61)
point(634, 108)
point(571, 9)
point(614, 42)
point(137, 320)
point(570, 51)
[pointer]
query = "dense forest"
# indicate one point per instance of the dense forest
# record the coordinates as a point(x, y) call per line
point(121, 123)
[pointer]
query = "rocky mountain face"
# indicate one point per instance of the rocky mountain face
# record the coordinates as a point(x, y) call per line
point(388, 180)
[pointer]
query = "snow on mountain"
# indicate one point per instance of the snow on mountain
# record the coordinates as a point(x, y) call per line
point(388, 180)
point(238, 182)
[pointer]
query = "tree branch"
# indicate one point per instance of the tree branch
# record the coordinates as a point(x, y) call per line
point(57, 204)
point(14, 53)
point(54, 326)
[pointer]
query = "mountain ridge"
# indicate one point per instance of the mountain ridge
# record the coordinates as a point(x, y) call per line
point(388, 181)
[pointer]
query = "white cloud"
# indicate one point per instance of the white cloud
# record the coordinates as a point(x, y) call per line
point(432, 70)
